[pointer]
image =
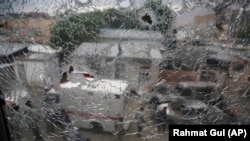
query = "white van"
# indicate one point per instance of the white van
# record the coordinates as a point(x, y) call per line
point(96, 104)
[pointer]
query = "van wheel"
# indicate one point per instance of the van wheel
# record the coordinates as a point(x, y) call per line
point(97, 127)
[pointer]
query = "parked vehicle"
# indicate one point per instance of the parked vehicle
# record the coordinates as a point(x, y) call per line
point(206, 91)
point(183, 112)
point(93, 104)
point(191, 112)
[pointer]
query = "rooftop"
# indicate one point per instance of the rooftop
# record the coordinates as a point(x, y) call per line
point(130, 34)
point(7, 49)
point(106, 86)
point(35, 56)
point(129, 49)
point(41, 49)
point(40, 56)
point(92, 49)
point(143, 50)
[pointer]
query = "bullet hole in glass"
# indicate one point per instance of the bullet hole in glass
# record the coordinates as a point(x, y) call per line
point(146, 18)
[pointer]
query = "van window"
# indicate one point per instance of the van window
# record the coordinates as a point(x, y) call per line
point(185, 91)
point(216, 63)
point(90, 93)
point(117, 96)
point(204, 90)
point(161, 89)
point(213, 62)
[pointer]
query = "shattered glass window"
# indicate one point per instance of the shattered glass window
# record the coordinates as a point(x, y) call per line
point(103, 70)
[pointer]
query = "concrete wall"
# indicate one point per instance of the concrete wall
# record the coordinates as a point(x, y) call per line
point(36, 70)
point(7, 76)
point(29, 30)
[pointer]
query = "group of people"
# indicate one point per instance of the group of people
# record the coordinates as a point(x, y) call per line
point(140, 122)
point(159, 117)
point(52, 119)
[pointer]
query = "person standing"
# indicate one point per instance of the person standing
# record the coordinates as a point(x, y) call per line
point(65, 120)
point(15, 122)
point(153, 104)
point(161, 120)
point(65, 124)
point(50, 121)
point(119, 127)
point(140, 120)
point(77, 135)
point(33, 118)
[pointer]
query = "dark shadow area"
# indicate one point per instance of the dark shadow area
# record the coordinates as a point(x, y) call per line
point(146, 18)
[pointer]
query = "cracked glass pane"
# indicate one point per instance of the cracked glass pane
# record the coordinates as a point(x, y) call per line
point(121, 69)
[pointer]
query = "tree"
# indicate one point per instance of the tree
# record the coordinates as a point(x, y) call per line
point(73, 30)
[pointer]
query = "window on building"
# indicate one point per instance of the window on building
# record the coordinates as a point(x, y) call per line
point(119, 70)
